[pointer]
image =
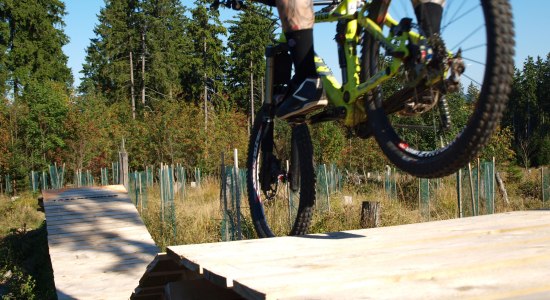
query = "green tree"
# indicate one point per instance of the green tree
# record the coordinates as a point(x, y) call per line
point(42, 134)
point(107, 67)
point(163, 25)
point(88, 133)
point(526, 114)
point(328, 142)
point(206, 52)
point(4, 136)
point(249, 35)
point(31, 37)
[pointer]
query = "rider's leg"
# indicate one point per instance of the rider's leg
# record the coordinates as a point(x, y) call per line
point(428, 13)
point(306, 91)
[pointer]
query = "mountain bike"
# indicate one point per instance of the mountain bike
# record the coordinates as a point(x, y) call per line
point(388, 66)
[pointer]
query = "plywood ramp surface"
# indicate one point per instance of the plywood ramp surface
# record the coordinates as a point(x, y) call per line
point(487, 257)
point(98, 244)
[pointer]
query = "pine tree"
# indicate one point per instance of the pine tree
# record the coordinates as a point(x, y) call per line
point(207, 61)
point(107, 67)
point(165, 47)
point(4, 136)
point(249, 35)
point(31, 38)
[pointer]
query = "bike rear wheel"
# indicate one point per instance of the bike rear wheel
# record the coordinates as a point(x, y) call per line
point(462, 123)
point(269, 148)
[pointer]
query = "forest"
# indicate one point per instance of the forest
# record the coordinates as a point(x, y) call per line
point(179, 86)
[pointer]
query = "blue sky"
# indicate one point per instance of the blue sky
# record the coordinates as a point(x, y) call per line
point(531, 20)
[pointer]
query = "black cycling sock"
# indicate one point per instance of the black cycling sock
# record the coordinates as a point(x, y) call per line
point(429, 17)
point(300, 43)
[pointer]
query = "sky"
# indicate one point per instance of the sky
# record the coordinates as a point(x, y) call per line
point(530, 18)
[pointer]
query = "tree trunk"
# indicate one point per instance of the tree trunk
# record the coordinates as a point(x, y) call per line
point(502, 188)
point(370, 214)
point(132, 86)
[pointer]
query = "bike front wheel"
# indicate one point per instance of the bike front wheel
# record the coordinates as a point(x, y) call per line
point(281, 198)
point(437, 141)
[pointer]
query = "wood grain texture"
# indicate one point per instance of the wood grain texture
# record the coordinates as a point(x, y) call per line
point(99, 247)
point(487, 257)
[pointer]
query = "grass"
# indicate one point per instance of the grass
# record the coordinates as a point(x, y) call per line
point(198, 219)
point(25, 267)
point(199, 215)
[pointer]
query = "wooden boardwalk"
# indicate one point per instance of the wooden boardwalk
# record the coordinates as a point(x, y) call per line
point(98, 244)
point(487, 257)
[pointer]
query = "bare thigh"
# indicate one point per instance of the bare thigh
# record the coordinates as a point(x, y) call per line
point(296, 14)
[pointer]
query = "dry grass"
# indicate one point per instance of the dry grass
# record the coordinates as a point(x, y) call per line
point(199, 216)
point(19, 213)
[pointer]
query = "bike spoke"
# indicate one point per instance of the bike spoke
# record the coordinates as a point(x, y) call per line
point(468, 36)
point(474, 61)
point(471, 79)
point(458, 18)
point(472, 48)
point(445, 11)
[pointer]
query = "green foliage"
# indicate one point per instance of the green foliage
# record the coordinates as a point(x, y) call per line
point(42, 132)
point(24, 250)
point(31, 38)
point(328, 142)
point(107, 67)
point(248, 37)
point(528, 114)
point(530, 189)
point(515, 173)
point(499, 146)
point(207, 58)
point(4, 136)
point(163, 24)
point(88, 126)
point(19, 284)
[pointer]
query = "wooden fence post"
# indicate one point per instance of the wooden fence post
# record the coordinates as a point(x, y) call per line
point(459, 192)
point(123, 166)
point(370, 214)
point(238, 192)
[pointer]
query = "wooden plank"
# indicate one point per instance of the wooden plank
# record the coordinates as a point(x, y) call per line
point(95, 218)
point(103, 260)
point(94, 230)
point(67, 217)
point(102, 286)
point(98, 244)
point(87, 199)
point(210, 252)
point(56, 194)
point(117, 251)
point(470, 257)
point(421, 263)
point(72, 240)
point(101, 224)
point(92, 209)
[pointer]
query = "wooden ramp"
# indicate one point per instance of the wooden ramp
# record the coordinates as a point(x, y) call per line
point(98, 244)
point(487, 257)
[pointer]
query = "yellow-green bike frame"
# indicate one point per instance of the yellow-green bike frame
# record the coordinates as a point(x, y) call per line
point(349, 94)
